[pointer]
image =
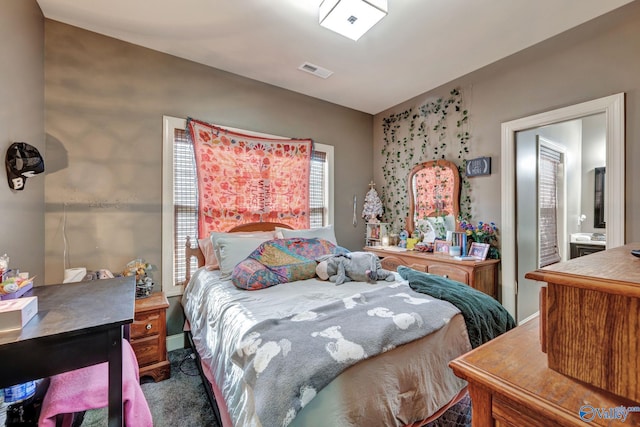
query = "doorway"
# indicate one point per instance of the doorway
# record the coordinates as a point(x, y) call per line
point(613, 109)
point(541, 203)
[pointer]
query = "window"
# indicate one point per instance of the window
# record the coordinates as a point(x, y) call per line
point(550, 172)
point(180, 210)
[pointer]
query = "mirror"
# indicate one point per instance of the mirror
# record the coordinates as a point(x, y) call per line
point(598, 201)
point(434, 191)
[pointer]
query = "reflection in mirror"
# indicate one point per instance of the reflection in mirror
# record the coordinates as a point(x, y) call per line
point(598, 201)
point(434, 191)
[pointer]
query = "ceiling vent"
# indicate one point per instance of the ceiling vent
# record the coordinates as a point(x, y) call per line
point(315, 70)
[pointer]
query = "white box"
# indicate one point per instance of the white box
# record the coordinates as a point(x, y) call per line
point(15, 313)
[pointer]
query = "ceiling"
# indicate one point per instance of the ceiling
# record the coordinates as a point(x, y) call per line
point(419, 45)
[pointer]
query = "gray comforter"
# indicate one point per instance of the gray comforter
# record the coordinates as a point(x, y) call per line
point(299, 354)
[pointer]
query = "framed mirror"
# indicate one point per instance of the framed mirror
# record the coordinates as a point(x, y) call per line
point(598, 201)
point(434, 191)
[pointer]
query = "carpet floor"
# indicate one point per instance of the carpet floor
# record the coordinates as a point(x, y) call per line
point(178, 401)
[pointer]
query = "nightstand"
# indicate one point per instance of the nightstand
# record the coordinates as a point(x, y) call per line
point(149, 336)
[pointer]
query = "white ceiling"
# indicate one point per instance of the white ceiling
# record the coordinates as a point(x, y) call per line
point(419, 45)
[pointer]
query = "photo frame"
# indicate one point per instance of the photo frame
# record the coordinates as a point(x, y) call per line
point(479, 250)
point(441, 246)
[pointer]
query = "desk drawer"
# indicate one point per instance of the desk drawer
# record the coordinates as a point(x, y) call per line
point(450, 272)
point(147, 350)
point(145, 325)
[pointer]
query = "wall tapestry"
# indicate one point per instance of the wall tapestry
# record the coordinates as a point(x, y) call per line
point(435, 130)
point(243, 178)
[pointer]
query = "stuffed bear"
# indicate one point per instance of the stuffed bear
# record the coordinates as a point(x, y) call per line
point(356, 266)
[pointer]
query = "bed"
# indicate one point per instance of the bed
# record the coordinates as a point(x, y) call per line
point(260, 363)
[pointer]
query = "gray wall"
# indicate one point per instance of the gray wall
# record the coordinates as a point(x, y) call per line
point(104, 104)
point(22, 119)
point(105, 100)
point(596, 59)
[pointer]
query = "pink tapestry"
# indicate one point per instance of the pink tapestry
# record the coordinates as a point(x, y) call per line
point(243, 178)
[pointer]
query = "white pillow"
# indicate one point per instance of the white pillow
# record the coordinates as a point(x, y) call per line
point(210, 260)
point(325, 233)
point(215, 235)
point(233, 250)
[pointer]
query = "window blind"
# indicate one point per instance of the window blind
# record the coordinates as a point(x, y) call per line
point(548, 164)
point(317, 190)
point(185, 196)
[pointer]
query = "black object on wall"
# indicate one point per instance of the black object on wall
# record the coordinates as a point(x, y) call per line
point(22, 161)
point(478, 167)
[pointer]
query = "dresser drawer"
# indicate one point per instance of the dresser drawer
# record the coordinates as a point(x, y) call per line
point(510, 414)
point(148, 350)
point(146, 324)
point(450, 272)
point(149, 336)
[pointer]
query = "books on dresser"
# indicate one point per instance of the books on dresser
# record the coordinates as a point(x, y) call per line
point(15, 313)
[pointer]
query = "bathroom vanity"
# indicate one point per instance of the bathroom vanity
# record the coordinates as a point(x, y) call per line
point(582, 244)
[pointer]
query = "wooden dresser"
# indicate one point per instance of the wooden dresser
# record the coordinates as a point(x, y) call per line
point(149, 336)
point(579, 361)
point(480, 275)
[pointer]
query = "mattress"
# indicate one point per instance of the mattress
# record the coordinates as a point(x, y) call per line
point(398, 387)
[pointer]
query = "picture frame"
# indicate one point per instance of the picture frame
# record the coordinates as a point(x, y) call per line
point(479, 251)
point(441, 246)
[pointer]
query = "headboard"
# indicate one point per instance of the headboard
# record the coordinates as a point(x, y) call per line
point(197, 252)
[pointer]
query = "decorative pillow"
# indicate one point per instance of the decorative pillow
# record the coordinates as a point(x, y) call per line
point(281, 260)
point(251, 276)
point(325, 233)
point(210, 260)
point(233, 250)
point(214, 236)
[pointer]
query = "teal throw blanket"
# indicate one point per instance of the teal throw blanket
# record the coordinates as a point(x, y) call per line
point(485, 317)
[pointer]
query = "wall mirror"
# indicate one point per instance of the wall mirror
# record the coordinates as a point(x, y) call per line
point(434, 191)
point(598, 201)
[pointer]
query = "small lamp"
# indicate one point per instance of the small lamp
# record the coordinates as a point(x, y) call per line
point(385, 240)
point(351, 18)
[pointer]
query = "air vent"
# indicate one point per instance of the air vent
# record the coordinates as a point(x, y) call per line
point(315, 70)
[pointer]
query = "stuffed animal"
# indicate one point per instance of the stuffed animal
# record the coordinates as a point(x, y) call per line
point(404, 235)
point(356, 266)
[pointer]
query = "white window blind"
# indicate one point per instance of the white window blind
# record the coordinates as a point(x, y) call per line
point(185, 203)
point(548, 167)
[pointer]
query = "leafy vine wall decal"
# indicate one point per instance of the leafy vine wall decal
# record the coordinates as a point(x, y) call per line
point(432, 131)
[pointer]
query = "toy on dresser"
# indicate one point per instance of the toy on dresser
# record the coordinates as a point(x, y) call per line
point(13, 284)
point(403, 236)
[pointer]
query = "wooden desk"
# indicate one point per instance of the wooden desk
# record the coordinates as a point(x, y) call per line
point(511, 385)
point(77, 325)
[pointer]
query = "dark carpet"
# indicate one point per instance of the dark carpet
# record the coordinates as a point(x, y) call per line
point(178, 401)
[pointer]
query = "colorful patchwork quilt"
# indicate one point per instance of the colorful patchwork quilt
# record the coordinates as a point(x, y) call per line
point(280, 261)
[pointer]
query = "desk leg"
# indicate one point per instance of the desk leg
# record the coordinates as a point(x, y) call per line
point(115, 378)
point(481, 410)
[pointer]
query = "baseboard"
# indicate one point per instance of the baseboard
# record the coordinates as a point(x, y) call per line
point(523, 321)
point(175, 342)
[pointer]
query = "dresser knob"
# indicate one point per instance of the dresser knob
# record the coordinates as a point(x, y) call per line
point(148, 326)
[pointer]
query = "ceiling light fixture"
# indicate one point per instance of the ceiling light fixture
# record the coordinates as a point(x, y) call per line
point(351, 18)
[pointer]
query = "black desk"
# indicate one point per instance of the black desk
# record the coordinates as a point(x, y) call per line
point(77, 325)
